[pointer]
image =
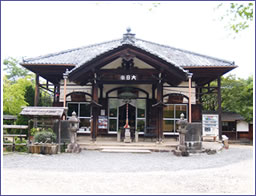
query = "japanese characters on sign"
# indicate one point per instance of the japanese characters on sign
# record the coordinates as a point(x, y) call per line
point(210, 124)
point(128, 77)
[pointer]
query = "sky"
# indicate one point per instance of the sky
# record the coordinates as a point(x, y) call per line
point(30, 29)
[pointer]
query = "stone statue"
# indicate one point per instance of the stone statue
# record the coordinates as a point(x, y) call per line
point(182, 129)
point(73, 147)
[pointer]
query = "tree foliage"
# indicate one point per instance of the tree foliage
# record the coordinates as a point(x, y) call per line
point(19, 90)
point(13, 70)
point(238, 15)
point(13, 95)
point(236, 95)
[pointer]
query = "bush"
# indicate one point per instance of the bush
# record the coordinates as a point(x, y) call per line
point(21, 148)
point(45, 137)
point(7, 148)
point(35, 130)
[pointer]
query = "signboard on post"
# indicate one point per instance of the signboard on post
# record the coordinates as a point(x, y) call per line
point(103, 122)
point(210, 125)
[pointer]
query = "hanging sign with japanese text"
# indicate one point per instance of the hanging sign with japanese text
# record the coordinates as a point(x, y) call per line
point(128, 77)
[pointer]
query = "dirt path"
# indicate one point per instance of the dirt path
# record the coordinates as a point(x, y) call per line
point(228, 172)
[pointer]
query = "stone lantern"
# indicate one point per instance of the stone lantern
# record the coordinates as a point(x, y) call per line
point(73, 128)
point(182, 129)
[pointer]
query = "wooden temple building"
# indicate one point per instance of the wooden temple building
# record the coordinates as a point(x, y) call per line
point(158, 83)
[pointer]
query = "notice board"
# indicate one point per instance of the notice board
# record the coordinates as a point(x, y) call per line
point(210, 124)
point(103, 122)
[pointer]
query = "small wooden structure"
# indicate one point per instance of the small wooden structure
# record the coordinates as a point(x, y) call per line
point(54, 113)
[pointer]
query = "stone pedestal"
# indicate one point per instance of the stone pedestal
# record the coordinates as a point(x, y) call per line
point(193, 139)
point(136, 136)
point(73, 148)
point(127, 135)
point(118, 136)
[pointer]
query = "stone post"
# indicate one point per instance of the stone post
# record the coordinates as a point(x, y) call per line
point(73, 147)
point(182, 129)
point(136, 136)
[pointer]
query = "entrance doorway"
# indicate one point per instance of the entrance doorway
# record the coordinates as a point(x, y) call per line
point(117, 114)
point(131, 116)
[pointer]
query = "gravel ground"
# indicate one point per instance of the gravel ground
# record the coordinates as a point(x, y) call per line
point(92, 172)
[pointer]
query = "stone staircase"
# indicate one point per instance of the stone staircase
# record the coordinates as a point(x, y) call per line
point(110, 144)
point(128, 147)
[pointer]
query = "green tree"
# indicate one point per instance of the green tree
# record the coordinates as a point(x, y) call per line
point(236, 94)
point(238, 16)
point(13, 70)
point(13, 95)
point(29, 95)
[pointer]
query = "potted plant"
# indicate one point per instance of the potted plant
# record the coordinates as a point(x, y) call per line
point(44, 142)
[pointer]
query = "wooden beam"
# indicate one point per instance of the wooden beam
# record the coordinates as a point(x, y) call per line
point(189, 100)
point(65, 76)
point(94, 110)
point(36, 98)
point(153, 91)
point(54, 94)
point(219, 107)
point(130, 71)
point(159, 122)
point(45, 88)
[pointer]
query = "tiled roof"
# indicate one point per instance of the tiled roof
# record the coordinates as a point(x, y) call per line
point(177, 57)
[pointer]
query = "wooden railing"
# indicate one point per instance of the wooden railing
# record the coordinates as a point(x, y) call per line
point(9, 135)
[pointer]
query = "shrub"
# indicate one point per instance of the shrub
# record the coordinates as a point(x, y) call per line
point(35, 130)
point(7, 148)
point(21, 148)
point(45, 137)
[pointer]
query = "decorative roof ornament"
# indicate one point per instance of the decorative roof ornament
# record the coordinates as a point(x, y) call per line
point(65, 75)
point(128, 37)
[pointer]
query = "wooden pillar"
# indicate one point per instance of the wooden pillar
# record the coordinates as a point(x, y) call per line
point(159, 122)
point(153, 91)
point(36, 98)
point(95, 114)
point(59, 135)
point(101, 91)
point(219, 107)
point(58, 93)
point(54, 94)
point(189, 95)
point(65, 76)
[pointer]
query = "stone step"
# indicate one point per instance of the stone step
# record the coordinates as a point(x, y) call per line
point(174, 144)
point(125, 150)
point(129, 148)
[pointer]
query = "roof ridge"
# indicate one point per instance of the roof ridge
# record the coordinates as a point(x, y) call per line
point(187, 51)
point(67, 51)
